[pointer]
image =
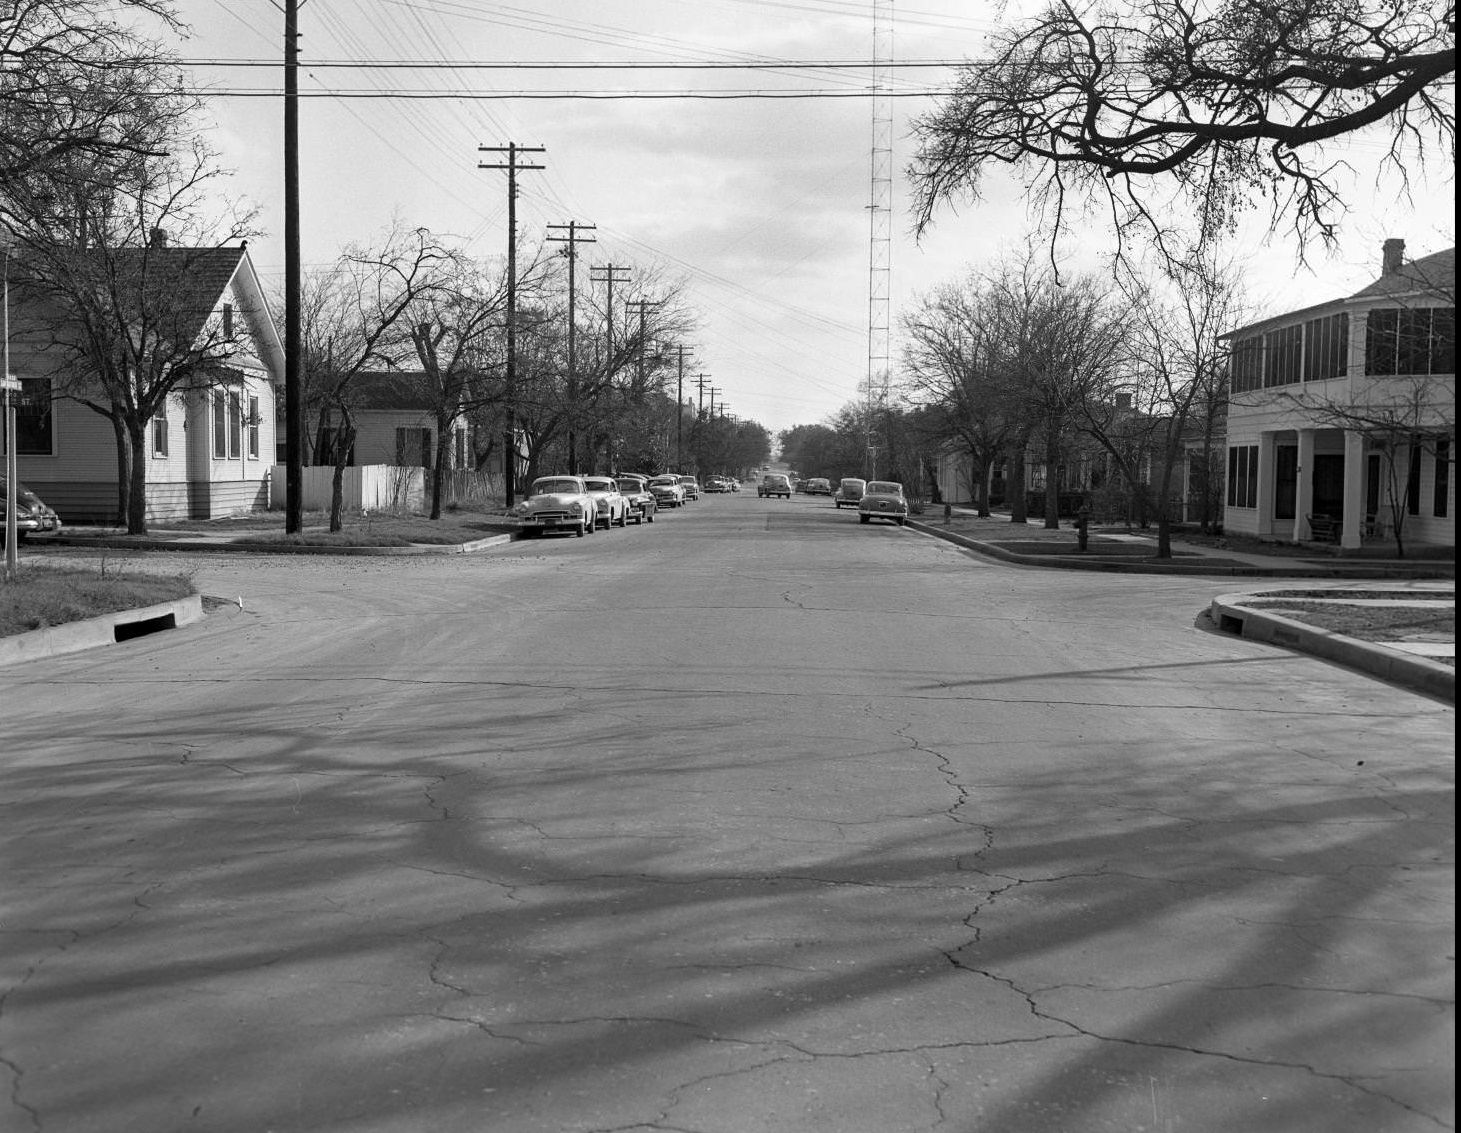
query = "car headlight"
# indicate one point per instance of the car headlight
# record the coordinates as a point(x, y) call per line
point(575, 508)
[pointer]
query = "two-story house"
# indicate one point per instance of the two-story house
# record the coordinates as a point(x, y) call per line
point(1343, 413)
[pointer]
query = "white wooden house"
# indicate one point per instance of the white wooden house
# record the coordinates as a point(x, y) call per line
point(208, 453)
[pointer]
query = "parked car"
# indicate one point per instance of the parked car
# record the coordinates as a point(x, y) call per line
point(556, 503)
point(640, 500)
point(715, 484)
point(667, 491)
point(32, 516)
point(849, 491)
point(611, 508)
point(774, 484)
point(883, 499)
point(691, 486)
point(817, 486)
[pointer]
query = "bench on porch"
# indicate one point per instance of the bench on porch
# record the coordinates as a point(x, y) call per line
point(1323, 528)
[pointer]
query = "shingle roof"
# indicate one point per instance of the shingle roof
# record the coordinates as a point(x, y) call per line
point(1434, 274)
point(195, 278)
point(390, 390)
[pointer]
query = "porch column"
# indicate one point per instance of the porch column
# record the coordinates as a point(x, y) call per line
point(1304, 490)
point(1352, 530)
point(1267, 477)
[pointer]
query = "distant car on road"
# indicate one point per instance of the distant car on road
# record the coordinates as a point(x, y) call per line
point(883, 499)
point(849, 491)
point(691, 486)
point(556, 503)
point(610, 505)
point(774, 484)
point(32, 516)
point(817, 486)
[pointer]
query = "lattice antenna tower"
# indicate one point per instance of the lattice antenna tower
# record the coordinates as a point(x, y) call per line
point(880, 222)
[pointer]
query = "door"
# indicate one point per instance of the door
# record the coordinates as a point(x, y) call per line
point(1329, 484)
point(1285, 481)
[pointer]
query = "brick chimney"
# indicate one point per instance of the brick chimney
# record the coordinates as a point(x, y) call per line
point(1392, 256)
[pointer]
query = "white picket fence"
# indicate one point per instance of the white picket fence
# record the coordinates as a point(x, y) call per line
point(367, 487)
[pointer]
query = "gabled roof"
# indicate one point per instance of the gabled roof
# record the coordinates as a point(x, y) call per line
point(1430, 275)
point(391, 389)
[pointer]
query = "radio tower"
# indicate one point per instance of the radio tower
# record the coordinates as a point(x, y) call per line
point(880, 214)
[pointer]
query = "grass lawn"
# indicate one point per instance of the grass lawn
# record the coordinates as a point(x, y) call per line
point(378, 529)
point(45, 595)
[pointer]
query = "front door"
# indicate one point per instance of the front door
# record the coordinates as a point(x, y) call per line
point(1329, 484)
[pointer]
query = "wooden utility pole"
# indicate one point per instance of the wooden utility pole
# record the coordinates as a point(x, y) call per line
point(643, 306)
point(571, 242)
point(512, 165)
point(293, 338)
point(680, 351)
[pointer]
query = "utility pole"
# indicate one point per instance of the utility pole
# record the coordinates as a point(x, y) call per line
point(702, 382)
point(610, 276)
point(713, 392)
point(512, 165)
point(643, 306)
point(680, 351)
point(293, 338)
point(571, 242)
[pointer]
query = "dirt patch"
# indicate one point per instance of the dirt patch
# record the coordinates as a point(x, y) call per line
point(1371, 623)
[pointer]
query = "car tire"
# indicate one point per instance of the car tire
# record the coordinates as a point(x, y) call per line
point(864, 518)
point(623, 520)
point(580, 532)
point(901, 521)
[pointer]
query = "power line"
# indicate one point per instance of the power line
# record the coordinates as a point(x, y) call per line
point(588, 65)
point(566, 95)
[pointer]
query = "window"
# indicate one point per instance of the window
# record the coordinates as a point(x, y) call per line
point(159, 434)
point(1243, 476)
point(228, 320)
point(253, 428)
point(1326, 348)
point(1247, 364)
point(1282, 357)
point(34, 426)
point(413, 447)
point(1410, 341)
point(1441, 487)
point(227, 424)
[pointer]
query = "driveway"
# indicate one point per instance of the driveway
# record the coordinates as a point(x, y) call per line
point(754, 819)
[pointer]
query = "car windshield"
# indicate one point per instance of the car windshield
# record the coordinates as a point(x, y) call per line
point(665, 482)
point(630, 486)
point(687, 480)
point(557, 486)
point(884, 488)
point(600, 485)
point(849, 485)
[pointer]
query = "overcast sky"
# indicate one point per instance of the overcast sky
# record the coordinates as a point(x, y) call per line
point(759, 206)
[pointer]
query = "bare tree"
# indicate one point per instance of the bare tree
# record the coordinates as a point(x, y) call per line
point(82, 92)
point(1175, 377)
point(1230, 102)
point(953, 367)
point(354, 322)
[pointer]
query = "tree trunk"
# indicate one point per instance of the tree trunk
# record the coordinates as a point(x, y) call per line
point(137, 497)
point(124, 467)
point(344, 441)
point(438, 462)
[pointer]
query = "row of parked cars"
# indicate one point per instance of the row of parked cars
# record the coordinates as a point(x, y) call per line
point(873, 499)
point(585, 504)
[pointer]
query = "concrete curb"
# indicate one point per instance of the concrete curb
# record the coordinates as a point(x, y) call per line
point(1065, 562)
point(1430, 677)
point(108, 629)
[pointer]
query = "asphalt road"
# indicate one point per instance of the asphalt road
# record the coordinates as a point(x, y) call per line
point(754, 819)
